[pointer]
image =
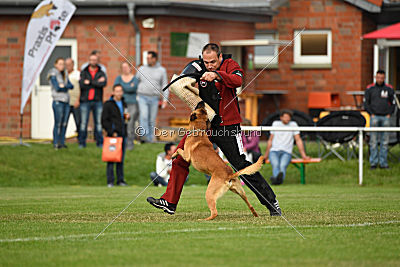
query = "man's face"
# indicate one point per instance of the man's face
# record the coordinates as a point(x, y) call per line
point(118, 92)
point(69, 65)
point(211, 60)
point(380, 78)
point(171, 150)
point(151, 60)
point(285, 118)
point(93, 60)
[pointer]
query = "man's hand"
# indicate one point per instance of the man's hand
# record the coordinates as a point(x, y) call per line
point(164, 104)
point(102, 79)
point(305, 157)
point(209, 76)
point(86, 81)
point(76, 104)
point(115, 134)
point(388, 116)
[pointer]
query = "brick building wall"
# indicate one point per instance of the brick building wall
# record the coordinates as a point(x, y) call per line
point(348, 72)
point(367, 49)
point(120, 32)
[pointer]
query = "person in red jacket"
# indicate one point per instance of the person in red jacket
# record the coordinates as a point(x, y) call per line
point(217, 87)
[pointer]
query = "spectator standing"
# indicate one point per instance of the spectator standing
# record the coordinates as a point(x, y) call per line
point(129, 83)
point(60, 84)
point(280, 146)
point(73, 76)
point(92, 82)
point(379, 102)
point(152, 78)
point(113, 121)
point(251, 141)
point(163, 166)
point(98, 54)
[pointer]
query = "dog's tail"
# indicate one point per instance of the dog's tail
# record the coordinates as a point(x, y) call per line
point(250, 169)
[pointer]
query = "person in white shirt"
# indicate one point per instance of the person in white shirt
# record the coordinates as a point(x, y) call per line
point(163, 165)
point(74, 77)
point(280, 146)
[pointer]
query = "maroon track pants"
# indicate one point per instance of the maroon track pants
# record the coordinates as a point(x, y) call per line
point(177, 178)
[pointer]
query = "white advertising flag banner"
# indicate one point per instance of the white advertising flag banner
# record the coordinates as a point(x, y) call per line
point(45, 28)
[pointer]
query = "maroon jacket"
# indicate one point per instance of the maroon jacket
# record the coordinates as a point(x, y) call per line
point(231, 75)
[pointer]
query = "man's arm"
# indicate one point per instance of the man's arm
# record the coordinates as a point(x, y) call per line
point(233, 76)
point(83, 81)
point(100, 82)
point(367, 100)
point(392, 101)
point(165, 94)
point(106, 120)
point(300, 145)
point(269, 145)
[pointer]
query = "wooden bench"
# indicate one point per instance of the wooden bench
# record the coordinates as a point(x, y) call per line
point(300, 164)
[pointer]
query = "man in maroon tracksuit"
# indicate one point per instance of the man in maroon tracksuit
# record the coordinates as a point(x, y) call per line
point(217, 88)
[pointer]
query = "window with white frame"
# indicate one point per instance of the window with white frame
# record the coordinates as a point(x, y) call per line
point(267, 53)
point(313, 47)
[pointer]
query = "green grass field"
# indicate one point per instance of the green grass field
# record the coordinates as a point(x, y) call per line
point(54, 203)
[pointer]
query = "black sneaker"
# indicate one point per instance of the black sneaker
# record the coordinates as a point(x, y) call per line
point(384, 167)
point(373, 167)
point(123, 183)
point(162, 204)
point(274, 181)
point(275, 210)
point(279, 178)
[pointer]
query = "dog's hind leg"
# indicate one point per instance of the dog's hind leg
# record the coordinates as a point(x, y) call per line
point(216, 188)
point(237, 188)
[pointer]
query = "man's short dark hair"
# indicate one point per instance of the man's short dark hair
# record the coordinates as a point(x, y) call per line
point(211, 47)
point(380, 72)
point(95, 52)
point(286, 111)
point(168, 146)
point(116, 85)
point(153, 54)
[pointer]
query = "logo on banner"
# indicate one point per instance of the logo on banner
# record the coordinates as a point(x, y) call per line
point(48, 32)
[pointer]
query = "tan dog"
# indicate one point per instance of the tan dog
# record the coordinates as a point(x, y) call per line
point(199, 151)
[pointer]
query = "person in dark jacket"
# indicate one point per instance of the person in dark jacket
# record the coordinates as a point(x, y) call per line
point(217, 87)
point(379, 102)
point(92, 82)
point(113, 121)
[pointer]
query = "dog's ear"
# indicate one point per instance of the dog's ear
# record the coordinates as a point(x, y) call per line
point(208, 123)
point(193, 117)
point(201, 105)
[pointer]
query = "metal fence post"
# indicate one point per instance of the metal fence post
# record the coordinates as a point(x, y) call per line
point(360, 156)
